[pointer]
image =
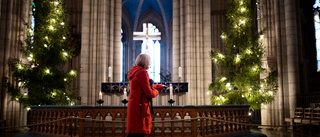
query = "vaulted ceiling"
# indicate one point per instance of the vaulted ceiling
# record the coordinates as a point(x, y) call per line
point(136, 8)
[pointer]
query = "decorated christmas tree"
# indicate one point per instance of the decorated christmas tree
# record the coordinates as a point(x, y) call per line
point(40, 75)
point(238, 67)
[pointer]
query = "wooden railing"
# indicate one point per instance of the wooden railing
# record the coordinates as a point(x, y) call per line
point(186, 121)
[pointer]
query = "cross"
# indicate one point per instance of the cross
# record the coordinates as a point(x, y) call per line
point(149, 32)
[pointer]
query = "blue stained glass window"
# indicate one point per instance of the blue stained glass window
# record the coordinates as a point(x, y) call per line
point(121, 57)
point(33, 21)
point(154, 52)
point(317, 30)
point(154, 36)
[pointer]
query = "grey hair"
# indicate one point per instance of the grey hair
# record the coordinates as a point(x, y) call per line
point(143, 60)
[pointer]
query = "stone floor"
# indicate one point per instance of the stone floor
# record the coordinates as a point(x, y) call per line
point(268, 132)
point(289, 133)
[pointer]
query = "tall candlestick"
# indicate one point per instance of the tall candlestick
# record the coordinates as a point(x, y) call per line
point(180, 72)
point(125, 93)
point(110, 72)
point(100, 95)
point(171, 93)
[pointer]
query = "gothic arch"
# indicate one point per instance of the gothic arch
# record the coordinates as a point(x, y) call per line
point(127, 40)
point(151, 16)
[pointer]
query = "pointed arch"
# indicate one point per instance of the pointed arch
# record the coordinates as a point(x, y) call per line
point(151, 16)
point(127, 41)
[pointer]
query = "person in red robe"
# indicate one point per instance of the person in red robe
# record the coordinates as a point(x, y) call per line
point(139, 121)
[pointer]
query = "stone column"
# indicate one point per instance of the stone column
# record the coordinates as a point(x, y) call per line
point(292, 53)
point(191, 48)
point(100, 49)
point(13, 16)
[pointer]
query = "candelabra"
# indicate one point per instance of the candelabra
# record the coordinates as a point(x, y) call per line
point(171, 101)
point(100, 101)
point(124, 101)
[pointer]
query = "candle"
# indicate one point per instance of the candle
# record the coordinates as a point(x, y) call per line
point(180, 72)
point(171, 93)
point(100, 95)
point(125, 93)
point(110, 72)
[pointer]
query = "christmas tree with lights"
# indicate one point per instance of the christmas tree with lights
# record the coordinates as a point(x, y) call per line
point(39, 76)
point(238, 68)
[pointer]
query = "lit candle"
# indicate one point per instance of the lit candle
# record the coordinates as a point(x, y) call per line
point(171, 93)
point(180, 72)
point(110, 72)
point(100, 95)
point(125, 93)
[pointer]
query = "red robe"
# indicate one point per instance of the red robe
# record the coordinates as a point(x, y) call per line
point(139, 118)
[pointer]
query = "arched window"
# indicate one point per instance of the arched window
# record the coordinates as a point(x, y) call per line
point(154, 52)
point(150, 37)
point(316, 6)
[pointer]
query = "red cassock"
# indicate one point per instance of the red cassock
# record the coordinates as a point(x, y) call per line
point(139, 118)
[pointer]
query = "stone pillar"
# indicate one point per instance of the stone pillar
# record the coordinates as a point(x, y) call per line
point(13, 16)
point(191, 48)
point(100, 49)
point(292, 53)
point(278, 19)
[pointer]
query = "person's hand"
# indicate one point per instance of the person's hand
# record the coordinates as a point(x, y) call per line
point(164, 87)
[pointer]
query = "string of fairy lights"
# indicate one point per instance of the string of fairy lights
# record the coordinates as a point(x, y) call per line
point(239, 52)
point(52, 27)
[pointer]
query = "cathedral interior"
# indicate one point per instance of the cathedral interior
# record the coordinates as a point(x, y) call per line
point(187, 30)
